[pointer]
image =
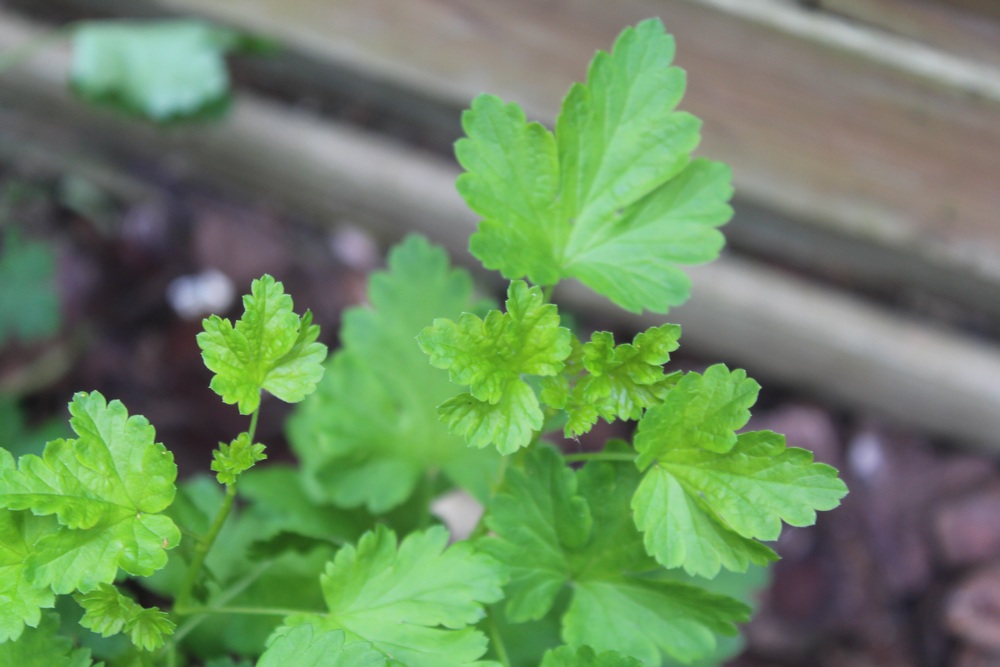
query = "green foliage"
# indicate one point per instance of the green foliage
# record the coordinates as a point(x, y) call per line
point(492, 356)
point(29, 303)
point(397, 596)
point(339, 562)
point(613, 198)
point(270, 348)
point(352, 454)
point(161, 70)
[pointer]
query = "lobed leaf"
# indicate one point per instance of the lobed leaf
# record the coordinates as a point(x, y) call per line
point(107, 612)
point(42, 646)
point(413, 601)
point(566, 656)
point(703, 510)
point(237, 457)
point(21, 601)
point(615, 605)
point(304, 646)
point(270, 348)
point(613, 198)
point(106, 488)
point(351, 454)
point(491, 356)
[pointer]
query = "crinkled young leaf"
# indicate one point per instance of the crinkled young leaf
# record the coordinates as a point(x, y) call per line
point(238, 456)
point(351, 453)
point(622, 381)
point(44, 647)
point(490, 356)
point(578, 528)
point(162, 70)
point(566, 656)
point(107, 488)
point(703, 510)
point(613, 197)
point(107, 612)
point(21, 601)
point(305, 646)
point(700, 411)
point(270, 348)
point(414, 602)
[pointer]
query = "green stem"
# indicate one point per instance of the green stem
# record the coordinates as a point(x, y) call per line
point(201, 552)
point(496, 640)
point(547, 293)
point(600, 456)
point(253, 424)
point(250, 611)
point(23, 52)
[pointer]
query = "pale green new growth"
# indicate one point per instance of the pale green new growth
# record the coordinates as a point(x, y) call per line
point(162, 70)
point(350, 451)
point(305, 646)
point(703, 510)
point(612, 198)
point(270, 348)
point(106, 488)
point(108, 612)
point(236, 457)
point(415, 601)
point(577, 528)
point(491, 356)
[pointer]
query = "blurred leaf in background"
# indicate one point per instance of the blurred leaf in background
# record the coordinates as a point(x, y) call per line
point(29, 303)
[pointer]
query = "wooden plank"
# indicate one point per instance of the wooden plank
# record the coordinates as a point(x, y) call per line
point(893, 155)
point(776, 325)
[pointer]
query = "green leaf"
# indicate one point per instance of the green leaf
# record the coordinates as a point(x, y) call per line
point(161, 70)
point(304, 646)
point(351, 453)
point(107, 488)
point(29, 302)
point(613, 198)
point(566, 656)
point(43, 647)
point(580, 535)
point(21, 601)
point(270, 348)
point(703, 510)
point(108, 612)
point(490, 356)
point(237, 457)
point(621, 381)
point(701, 411)
point(415, 602)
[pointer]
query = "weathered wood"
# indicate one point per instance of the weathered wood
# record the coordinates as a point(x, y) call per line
point(875, 138)
point(776, 325)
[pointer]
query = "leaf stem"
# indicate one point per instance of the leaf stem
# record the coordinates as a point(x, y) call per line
point(496, 640)
point(547, 293)
point(251, 611)
point(600, 456)
point(183, 600)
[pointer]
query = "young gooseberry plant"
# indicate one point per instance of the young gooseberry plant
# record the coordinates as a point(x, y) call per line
point(340, 561)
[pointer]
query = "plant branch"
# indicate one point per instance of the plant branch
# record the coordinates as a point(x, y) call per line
point(601, 456)
point(496, 640)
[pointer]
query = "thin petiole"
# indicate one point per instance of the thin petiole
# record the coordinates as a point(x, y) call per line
point(600, 456)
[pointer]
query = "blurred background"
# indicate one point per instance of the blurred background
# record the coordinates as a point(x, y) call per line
point(861, 283)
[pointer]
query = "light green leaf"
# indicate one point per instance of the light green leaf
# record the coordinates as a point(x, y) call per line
point(108, 612)
point(621, 381)
point(701, 411)
point(414, 602)
point(270, 348)
point(29, 302)
point(491, 356)
point(702, 510)
point(162, 70)
point(21, 601)
point(578, 529)
point(237, 457)
point(304, 646)
point(352, 454)
point(613, 197)
point(106, 488)
point(44, 647)
point(566, 656)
